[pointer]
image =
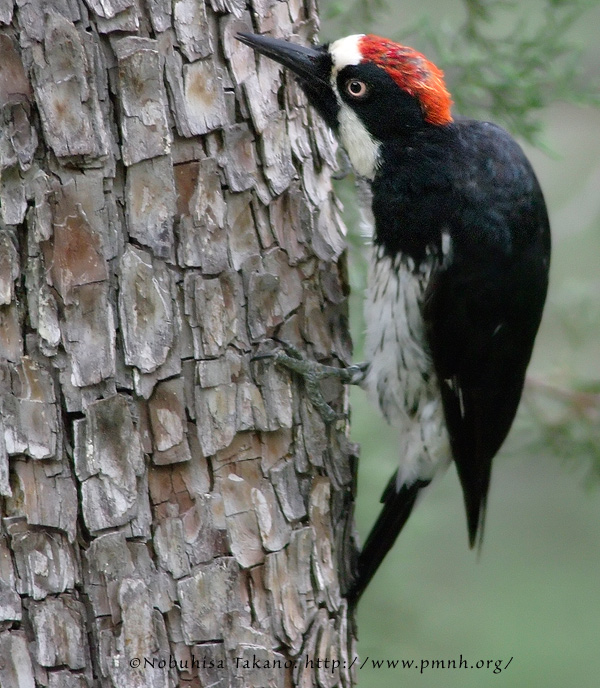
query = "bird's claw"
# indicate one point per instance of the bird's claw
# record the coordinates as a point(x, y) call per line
point(313, 373)
point(344, 166)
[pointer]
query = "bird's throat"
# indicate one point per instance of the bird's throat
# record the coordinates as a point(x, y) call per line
point(361, 147)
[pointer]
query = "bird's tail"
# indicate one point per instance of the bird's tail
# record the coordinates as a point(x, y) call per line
point(398, 504)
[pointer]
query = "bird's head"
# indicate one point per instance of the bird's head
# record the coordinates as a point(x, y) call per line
point(368, 89)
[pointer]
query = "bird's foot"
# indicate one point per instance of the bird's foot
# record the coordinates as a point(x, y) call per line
point(313, 373)
point(344, 165)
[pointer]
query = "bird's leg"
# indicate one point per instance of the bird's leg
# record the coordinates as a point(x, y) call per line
point(344, 165)
point(313, 372)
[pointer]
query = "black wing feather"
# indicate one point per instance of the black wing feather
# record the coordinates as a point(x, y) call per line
point(483, 307)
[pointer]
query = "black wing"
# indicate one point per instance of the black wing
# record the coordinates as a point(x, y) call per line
point(483, 306)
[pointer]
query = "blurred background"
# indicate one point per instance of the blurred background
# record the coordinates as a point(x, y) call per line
point(534, 593)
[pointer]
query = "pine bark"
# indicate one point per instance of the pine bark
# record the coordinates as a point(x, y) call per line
point(174, 512)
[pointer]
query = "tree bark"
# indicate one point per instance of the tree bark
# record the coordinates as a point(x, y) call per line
point(174, 511)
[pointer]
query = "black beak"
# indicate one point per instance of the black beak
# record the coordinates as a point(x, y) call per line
point(312, 67)
point(309, 64)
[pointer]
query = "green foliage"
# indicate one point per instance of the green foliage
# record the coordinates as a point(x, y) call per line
point(358, 12)
point(564, 421)
point(512, 76)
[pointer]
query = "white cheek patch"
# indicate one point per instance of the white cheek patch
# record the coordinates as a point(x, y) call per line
point(345, 52)
point(361, 147)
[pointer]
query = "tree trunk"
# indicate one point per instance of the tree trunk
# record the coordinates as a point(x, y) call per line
point(174, 512)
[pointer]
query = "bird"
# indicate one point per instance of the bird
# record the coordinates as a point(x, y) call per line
point(458, 273)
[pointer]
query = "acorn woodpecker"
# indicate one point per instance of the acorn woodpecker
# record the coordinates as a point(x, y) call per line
point(459, 269)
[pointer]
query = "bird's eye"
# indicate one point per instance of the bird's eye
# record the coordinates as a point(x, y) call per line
point(356, 88)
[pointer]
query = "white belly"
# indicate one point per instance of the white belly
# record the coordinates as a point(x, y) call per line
point(401, 377)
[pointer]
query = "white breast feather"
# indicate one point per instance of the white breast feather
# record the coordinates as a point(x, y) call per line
point(401, 378)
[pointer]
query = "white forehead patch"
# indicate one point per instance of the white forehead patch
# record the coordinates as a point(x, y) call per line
point(345, 52)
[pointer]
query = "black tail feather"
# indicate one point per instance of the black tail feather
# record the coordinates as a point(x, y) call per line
point(398, 505)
